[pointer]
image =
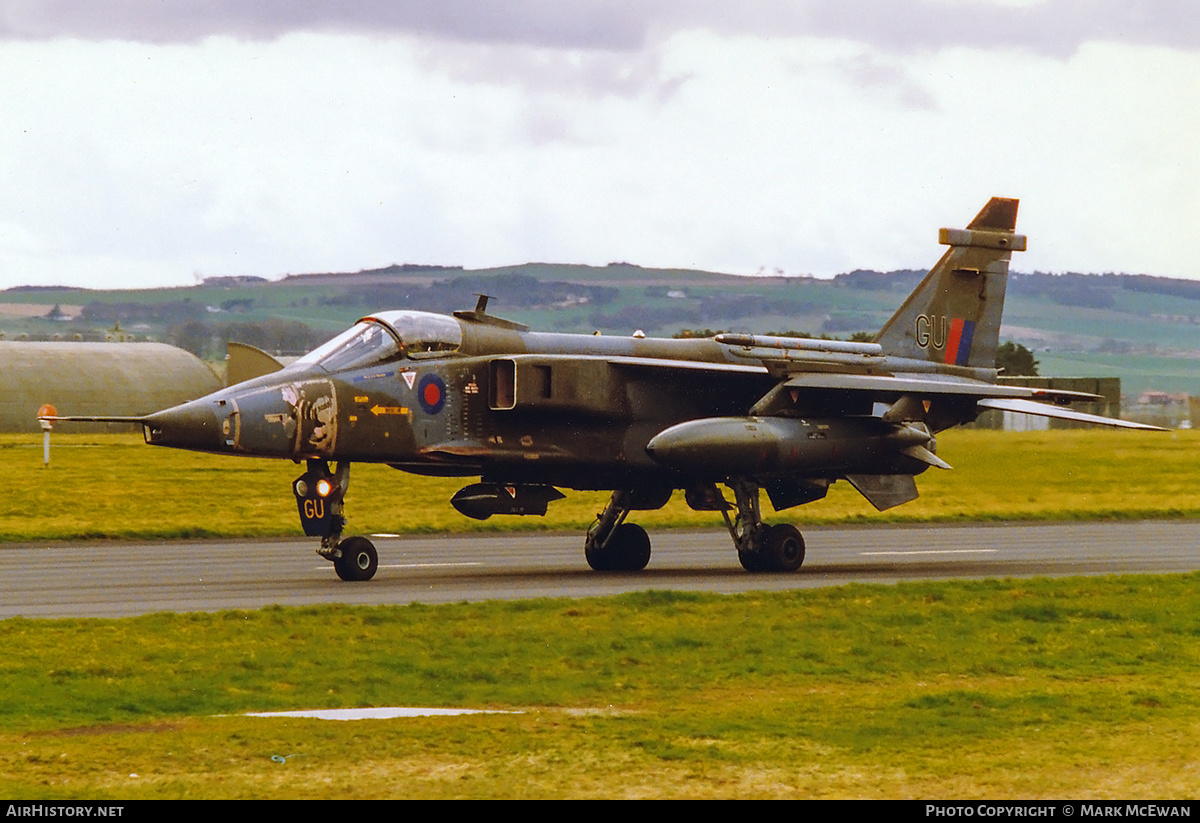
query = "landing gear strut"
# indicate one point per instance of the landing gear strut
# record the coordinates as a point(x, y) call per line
point(319, 495)
point(761, 548)
point(612, 545)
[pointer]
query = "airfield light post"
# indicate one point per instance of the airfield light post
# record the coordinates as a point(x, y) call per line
point(44, 412)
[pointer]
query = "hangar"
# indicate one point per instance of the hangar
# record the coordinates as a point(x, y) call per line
point(117, 379)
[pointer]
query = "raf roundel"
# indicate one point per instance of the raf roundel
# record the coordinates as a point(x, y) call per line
point(431, 393)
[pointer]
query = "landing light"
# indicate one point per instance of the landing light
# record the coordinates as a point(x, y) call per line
point(323, 487)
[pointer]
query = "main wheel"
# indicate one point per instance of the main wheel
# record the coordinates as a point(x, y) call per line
point(633, 546)
point(628, 550)
point(782, 549)
point(751, 561)
point(597, 559)
point(357, 559)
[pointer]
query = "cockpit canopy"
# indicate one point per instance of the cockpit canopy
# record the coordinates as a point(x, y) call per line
point(385, 337)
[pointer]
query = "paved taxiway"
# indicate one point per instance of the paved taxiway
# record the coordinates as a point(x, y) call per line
point(116, 579)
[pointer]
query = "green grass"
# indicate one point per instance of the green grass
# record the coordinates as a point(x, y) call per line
point(114, 486)
point(1080, 688)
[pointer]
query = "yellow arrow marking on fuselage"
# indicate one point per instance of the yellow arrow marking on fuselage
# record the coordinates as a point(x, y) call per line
point(378, 410)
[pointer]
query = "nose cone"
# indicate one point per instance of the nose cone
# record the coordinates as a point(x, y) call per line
point(192, 425)
point(289, 418)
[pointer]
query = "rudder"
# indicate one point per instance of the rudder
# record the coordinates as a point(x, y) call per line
point(953, 316)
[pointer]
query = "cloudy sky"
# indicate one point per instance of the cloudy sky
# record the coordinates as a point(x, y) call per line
point(155, 142)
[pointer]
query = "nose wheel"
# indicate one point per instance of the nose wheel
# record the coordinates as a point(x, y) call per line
point(355, 559)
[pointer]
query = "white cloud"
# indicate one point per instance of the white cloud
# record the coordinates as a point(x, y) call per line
point(724, 145)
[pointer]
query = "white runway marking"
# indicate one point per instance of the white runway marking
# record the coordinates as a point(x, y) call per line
point(929, 551)
point(418, 565)
point(429, 565)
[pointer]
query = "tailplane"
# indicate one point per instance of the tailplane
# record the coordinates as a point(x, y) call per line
point(953, 316)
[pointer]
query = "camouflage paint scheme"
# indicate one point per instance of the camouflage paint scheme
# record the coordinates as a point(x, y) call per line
point(526, 412)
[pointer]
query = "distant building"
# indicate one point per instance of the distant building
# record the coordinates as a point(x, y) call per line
point(1109, 388)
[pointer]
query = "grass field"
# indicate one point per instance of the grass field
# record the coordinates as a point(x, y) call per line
point(1079, 688)
point(1069, 688)
point(110, 486)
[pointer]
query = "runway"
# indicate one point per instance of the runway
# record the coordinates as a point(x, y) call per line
point(121, 579)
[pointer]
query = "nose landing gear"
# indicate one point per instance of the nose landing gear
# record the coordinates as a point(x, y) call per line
point(319, 495)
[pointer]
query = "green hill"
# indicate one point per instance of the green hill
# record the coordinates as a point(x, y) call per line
point(1140, 328)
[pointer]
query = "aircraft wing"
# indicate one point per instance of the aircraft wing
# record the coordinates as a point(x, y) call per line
point(1044, 410)
point(887, 388)
point(925, 385)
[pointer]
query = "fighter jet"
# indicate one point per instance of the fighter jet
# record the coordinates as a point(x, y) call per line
point(476, 396)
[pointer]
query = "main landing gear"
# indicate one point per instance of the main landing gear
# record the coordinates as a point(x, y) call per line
point(319, 495)
point(614, 545)
point(761, 548)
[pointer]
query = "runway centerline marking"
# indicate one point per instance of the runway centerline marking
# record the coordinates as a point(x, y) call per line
point(930, 551)
point(419, 565)
point(428, 565)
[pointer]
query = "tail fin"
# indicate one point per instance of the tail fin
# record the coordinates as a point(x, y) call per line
point(953, 316)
